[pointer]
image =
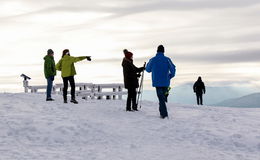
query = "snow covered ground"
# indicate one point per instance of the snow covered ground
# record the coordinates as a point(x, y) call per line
point(31, 128)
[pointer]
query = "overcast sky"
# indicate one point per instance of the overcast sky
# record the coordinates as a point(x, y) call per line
point(217, 39)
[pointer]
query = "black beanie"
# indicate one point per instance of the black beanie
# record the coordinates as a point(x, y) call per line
point(50, 51)
point(125, 51)
point(160, 48)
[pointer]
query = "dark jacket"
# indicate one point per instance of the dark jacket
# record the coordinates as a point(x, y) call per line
point(199, 87)
point(130, 73)
point(49, 66)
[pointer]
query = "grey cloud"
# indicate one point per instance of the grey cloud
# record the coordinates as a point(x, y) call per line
point(221, 57)
point(122, 9)
point(133, 7)
point(239, 56)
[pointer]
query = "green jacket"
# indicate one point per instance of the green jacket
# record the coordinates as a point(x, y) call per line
point(49, 66)
point(66, 65)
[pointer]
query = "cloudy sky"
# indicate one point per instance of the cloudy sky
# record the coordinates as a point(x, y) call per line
point(217, 39)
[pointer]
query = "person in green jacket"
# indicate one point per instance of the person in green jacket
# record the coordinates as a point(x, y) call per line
point(49, 72)
point(67, 68)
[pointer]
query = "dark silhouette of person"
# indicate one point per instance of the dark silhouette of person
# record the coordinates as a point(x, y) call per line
point(131, 74)
point(199, 89)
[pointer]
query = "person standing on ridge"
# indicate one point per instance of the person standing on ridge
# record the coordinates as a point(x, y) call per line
point(163, 70)
point(199, 89)
point(49, 72)
point(67, 68)
point(131, 74)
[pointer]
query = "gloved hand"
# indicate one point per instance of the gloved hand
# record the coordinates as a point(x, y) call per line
point(138, 75)
point(88, 58)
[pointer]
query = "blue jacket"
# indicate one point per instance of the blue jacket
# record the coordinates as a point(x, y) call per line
point(163, 70)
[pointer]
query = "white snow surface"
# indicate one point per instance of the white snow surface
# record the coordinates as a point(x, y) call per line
point(33, 129)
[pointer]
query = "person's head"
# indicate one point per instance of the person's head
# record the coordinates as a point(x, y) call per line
point(128, 55)
point(50, 52)
point(160, 49)
point(199, 78)
point(65, 51)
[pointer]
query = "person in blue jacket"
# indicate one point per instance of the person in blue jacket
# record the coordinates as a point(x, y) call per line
point(163, 70)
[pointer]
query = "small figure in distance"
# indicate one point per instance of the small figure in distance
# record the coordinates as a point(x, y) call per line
point(131, 74)
point(49, 72)
point(67, 68)
point(199, 89)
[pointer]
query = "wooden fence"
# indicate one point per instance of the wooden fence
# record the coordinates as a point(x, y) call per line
point(84, 90)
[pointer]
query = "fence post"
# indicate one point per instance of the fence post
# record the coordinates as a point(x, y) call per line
point(25, 85)
point(92, 91)
point(99, 91)
point(119, 91)
point(54, 89)
point(114, 90)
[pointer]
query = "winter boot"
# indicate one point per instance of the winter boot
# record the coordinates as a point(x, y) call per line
point(65, 99)
point(135, 108)
point(49, 99)
point(74, 101)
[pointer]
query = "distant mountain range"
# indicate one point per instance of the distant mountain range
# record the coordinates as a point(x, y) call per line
point(184, 94)
point(249, 101)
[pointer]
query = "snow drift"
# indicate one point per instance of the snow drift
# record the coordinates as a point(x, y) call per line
point(32, 128)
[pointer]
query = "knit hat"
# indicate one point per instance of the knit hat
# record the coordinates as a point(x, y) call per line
point(50, 51)
point(160, 48)
point(128, 55)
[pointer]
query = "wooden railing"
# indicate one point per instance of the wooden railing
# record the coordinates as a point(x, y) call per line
point(85, 90)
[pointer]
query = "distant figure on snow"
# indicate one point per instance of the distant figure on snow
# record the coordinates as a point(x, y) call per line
point(163, 70)
point(131, 74)
point(199, 89)
point(67, 68)
point(49, 72)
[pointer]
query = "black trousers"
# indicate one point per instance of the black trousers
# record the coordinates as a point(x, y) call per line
point(131, 99)
point(199, 98)
point(72, 86)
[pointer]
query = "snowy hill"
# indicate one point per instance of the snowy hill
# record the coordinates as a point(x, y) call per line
point(252, 100)
point(32, 128)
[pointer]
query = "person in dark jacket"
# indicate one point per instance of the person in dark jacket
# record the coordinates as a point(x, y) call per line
point(49, 72)
point(199, 89)
point(163, 70)
point(131, 74)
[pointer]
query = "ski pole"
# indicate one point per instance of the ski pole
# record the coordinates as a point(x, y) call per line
point(141, 86)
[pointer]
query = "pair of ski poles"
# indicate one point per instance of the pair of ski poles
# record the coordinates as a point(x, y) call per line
point(140, 90)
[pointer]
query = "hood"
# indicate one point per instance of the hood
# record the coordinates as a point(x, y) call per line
point(65, 56)
point(199, 79)
point(48, 57)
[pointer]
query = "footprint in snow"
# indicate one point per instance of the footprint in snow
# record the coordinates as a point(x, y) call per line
point(236, 136)
point(258, 146)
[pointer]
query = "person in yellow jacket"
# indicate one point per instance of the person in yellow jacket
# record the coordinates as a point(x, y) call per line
point(67, 68)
